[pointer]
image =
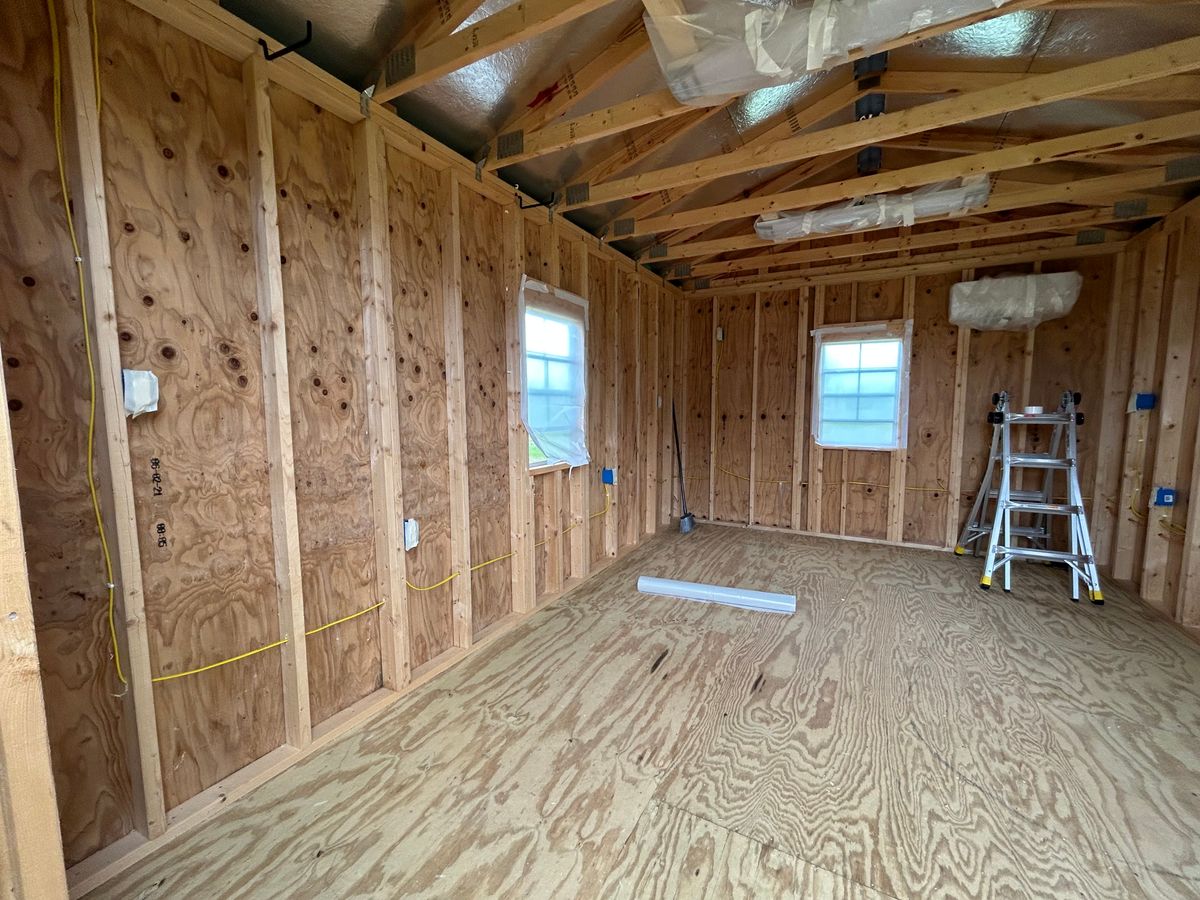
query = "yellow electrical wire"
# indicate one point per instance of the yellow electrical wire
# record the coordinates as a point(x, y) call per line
point(430, 587)
point(361, 612)
point(595, 515)
point(494, 559)
point(56, 52)
point(217, 665)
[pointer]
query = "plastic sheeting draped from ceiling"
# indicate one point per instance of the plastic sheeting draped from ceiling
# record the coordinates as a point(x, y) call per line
point(949, 198)
point(1015, 302)
point(724, 48)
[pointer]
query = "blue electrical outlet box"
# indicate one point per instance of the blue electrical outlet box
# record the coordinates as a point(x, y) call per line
point(1164, 496)
point(608, 476)
point(1144, 401)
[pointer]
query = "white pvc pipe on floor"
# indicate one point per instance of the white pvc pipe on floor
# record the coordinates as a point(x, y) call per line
point(711, 593)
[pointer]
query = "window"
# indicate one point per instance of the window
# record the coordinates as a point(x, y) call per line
point(554, 394)
point(860, 398)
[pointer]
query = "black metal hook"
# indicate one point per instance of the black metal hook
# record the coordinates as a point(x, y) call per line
point(284, 51)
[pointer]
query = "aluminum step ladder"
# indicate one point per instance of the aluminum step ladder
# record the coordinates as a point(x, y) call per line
point(994, 507)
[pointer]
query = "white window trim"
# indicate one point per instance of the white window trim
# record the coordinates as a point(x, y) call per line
point(890, 329)
point(574, 299)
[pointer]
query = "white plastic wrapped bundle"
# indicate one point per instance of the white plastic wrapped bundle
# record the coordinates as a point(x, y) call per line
point(1013, 303)
point(949, 198)
point(723, 48)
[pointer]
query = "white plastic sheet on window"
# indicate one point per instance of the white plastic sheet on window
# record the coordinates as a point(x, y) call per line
point(860, 393)
point(949, 198)
point(554, 375)
point(724, 48)
point(1013, 303)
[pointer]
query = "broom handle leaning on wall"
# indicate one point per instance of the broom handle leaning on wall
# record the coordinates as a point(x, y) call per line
point(679, 461)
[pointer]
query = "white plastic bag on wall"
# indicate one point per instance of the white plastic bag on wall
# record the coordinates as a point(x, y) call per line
point(950, 198)
point(724, 48)
point(1013, 303)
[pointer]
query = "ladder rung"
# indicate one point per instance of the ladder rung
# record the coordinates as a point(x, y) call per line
point(1047, 555)
point(1053, 509)
point(1039, 418)
point(1039, 461)
point(1025, 496)
point(1025, 531)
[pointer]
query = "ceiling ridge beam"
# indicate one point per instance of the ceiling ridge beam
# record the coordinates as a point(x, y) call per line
point(418, 66)
point(1138, 134)
point(1035, 90)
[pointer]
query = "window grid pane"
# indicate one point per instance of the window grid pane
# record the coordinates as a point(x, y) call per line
point(554, 385)
point(859, 397)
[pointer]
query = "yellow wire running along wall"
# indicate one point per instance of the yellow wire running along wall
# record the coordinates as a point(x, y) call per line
point(332, 326)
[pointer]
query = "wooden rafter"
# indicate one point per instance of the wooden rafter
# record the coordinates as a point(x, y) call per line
point(439, 21)
point(1043, 244)
point(646, 142)
point(1090, 78)
point(791, 121)
point(1167, 128)
point(1172, 88)
point(994, 255)
point(591, 126)
point(573, 84)
point(951, 142)
point(419, 66)
point(784, 181)
point(944, 237)
point(1073, 192)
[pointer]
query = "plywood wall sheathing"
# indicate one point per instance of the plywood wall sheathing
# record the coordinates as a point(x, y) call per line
point(668, 347)
point(1118, 359)
point(418, 221)
point(649, 395)
point(520, 483)
point(318, 234)
point(1141, 424)
point(774, 413)
point(628, 318)
point(486, 366)
point(930, 412)
point(178, 206)
point(46, 373)
point(695, 414)
point(268, 263)
point(733, 383)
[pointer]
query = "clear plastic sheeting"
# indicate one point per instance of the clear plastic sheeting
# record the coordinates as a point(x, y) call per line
point(1015, 302)
point(949, 198)
point(724, 48)
point(554, 382)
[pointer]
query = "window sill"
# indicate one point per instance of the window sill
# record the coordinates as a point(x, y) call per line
point(547, 468)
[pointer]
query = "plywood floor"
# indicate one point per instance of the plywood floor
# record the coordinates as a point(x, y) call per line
point(903, 735)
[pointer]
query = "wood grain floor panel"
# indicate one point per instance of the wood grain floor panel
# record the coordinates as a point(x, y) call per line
point(902, 735)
